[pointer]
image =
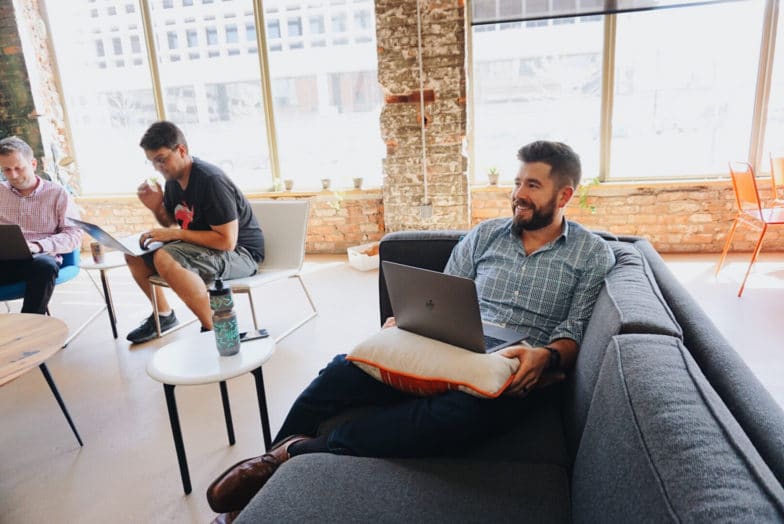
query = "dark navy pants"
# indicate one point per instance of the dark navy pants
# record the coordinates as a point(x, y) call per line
point(38, 275)
point(403, 425)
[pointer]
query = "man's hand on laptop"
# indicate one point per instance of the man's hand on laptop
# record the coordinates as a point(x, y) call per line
point(531, 372)
point(389, 322)
point(159, 235)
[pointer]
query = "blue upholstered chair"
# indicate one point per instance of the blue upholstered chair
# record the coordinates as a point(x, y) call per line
point(68, 270)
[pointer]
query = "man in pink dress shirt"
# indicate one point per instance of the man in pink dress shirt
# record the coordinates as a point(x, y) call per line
point(40, 208)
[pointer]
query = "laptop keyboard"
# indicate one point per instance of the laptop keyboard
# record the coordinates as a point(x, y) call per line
point(491, 342)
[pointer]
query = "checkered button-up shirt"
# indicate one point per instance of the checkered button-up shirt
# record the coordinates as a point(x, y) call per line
point(41, 215)
point(546, 295)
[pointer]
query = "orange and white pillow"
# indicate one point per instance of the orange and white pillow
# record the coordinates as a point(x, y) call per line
point(424, 366)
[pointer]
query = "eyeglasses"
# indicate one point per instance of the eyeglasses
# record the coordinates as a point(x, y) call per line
point(161, 160)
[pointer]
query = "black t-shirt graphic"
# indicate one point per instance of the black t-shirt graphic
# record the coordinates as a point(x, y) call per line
point(211, 198)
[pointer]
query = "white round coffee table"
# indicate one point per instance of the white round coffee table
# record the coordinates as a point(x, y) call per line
point(195, 360)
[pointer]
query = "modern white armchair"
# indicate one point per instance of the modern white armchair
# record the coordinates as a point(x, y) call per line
point(284, 223)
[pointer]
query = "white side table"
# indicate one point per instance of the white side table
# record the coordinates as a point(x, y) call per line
point(111, 260)
point(195, 360)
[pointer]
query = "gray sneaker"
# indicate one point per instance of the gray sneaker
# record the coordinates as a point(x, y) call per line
point(146, 330)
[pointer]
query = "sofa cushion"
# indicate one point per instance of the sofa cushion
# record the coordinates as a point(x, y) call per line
point(660, 443)
point(755, 409)
point(331, 488)
point(424, 366)
point(630, 302)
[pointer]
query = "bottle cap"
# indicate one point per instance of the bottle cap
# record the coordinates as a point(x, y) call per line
point(219, 289)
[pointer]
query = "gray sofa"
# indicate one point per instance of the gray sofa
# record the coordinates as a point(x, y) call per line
point(660, 421)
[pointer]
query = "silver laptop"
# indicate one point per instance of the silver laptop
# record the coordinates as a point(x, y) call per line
point(13, 245)
point(443, 307)
point(128, 244)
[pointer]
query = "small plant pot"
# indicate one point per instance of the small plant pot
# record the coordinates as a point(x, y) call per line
point(357, 183)
point(325, 183)
point(492, 179)
point(288, 184)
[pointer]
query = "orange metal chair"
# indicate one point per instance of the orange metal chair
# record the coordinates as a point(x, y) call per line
point(750, 211)
point(777, 177)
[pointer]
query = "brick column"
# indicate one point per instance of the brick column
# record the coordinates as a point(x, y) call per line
point(444, 79)
point(16, 98)
point(29, 100)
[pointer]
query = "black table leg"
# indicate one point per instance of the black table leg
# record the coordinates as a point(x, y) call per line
point(53, 387)
point(171, 403)
point(227, 411)
point(262, 408)
point(107, 295)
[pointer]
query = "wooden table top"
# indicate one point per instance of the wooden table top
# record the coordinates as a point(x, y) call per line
point(26, 341)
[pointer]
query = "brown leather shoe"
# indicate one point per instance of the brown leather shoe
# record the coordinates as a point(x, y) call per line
point(226, 518)
point(236, 486)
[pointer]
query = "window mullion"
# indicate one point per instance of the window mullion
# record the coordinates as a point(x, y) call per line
point(764, 75)
point(608, 86)
point(152, 59)
point(266, 93)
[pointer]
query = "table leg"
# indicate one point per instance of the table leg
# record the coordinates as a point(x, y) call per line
point(171, 403)
point(107, 295)
point(227, 411)
point(262, 408)
point(53, 387)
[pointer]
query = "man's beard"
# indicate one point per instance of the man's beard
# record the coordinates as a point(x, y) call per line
point(540, 217)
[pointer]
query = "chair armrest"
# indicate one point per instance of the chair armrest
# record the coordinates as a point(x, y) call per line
point(71, 259)
point(425, 249)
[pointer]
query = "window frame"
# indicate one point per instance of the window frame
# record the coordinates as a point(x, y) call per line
point(756, 137)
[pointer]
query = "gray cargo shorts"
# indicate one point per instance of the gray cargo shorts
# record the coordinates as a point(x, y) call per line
point(209, 263)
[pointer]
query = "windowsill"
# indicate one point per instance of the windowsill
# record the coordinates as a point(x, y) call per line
point(346, 193)
point(616, 186)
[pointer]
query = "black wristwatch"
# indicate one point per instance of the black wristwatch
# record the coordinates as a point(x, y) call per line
point(555, 359)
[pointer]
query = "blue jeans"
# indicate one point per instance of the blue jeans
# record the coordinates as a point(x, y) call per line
point(38, 275)
point(403, 425)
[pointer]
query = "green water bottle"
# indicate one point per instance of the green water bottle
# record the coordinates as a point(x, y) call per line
point(224, 320)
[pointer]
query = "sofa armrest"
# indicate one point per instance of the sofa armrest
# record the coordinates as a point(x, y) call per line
point(425, 249)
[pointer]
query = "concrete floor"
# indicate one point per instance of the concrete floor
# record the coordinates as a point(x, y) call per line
point(127, 470)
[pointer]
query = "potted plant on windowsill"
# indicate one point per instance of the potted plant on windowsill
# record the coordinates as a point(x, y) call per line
point(492, 176)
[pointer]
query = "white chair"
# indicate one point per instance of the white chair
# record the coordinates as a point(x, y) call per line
point(284, 223)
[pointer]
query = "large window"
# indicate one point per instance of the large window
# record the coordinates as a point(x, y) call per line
point(110, 103)
point(774, 137)
point(641, 94)
point(684, 105)
point(532, 83)
point(325, 97)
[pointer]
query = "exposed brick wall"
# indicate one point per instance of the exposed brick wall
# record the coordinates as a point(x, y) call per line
point(444, 83)
point(337, 220)
point(49, 111)
point(16, 99)
point(30, 104)
point(677, 217)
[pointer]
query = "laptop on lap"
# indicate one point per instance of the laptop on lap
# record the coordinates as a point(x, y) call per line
point(128, 244)
point(13, 245)
point(443, 307)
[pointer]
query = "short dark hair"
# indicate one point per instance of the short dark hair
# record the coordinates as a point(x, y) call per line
point(563, 161)
point(14, 144)
point(162, 134)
